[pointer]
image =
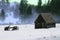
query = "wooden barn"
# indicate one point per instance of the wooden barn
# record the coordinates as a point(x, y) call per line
point(44, 20)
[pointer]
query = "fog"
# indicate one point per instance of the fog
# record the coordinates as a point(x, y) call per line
point(12, 15)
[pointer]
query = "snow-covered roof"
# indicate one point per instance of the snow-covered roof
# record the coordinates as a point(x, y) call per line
point(48, 17)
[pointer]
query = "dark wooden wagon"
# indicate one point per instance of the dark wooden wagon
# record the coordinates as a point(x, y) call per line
point(45, 20)
point(12, 28)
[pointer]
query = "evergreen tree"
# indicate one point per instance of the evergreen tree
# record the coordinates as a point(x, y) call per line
point(48, 6)
point(7, 1)
point(39, 5)
point(55, 5)
point(29, 10)
point(23, 6)
point(2, 13)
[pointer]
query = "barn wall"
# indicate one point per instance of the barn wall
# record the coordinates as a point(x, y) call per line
point(51, 25)
point(38, 22)
point(38, 25)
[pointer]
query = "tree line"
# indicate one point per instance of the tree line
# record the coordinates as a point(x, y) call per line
point(52, 6)
point(25, 8)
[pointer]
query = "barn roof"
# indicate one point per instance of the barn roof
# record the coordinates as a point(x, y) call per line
point(48, 17)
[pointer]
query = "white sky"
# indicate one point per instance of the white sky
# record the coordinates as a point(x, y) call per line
point(30, 1)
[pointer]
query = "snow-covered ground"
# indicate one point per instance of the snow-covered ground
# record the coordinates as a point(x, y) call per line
point(27, 32)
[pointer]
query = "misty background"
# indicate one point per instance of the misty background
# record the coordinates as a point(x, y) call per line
point(25, 12)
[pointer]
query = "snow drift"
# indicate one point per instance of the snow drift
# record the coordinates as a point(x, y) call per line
point(27, 32)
